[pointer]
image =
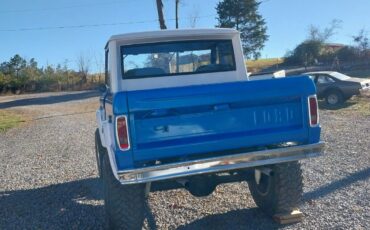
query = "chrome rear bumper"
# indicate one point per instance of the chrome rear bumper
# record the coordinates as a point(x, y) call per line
point(219, 164)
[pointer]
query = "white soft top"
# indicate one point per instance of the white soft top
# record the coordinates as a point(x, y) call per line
point(116, 41)
point(179, 33)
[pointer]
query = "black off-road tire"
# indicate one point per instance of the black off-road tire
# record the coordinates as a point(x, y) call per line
point(124, 204)
point(100, 151)
point(283, 192)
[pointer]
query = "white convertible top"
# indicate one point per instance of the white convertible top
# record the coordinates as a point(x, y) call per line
point(174, 33)
point(119, 84)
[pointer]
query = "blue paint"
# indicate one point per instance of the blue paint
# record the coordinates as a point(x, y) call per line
point(179, 122)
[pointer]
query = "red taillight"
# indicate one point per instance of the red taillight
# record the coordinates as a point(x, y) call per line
point(313, 110)
point(122, 133)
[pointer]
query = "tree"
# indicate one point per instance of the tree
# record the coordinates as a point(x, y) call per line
point(362, 43)
point(162, 23)
point(99, 62)
point(17, 63)
point(20, 75)
point(316, 34)
point(4, 82)
point(347, 53)
point(83, 64)
point(306, 53)
point(243, 15)
point(14, 65)
point(32, 71)
point(312, 49)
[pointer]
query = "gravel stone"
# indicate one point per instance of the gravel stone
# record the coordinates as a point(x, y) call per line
point(48, 176)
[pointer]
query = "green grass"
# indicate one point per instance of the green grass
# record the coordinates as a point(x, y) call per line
point(361, 106)
point(256, 65)
point(356, 105)
point(9, 120)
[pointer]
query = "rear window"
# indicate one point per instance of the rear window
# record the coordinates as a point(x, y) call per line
point(177, 58)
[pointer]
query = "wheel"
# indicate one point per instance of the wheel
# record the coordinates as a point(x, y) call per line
point(334, 98)
point(100, 151)
point(124, 204)
point(280, 192)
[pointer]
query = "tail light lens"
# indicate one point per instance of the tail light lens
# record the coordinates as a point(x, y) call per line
point(313, 110)
point(122, 133)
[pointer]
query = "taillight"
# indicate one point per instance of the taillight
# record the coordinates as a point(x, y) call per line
point(313, 110)
point(122, 133)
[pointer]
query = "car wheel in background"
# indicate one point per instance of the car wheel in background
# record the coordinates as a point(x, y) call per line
point(334, 98)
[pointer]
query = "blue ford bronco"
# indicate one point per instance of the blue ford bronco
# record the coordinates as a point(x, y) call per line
point(178, 111)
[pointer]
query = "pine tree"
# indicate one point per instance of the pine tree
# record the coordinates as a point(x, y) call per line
point(243, 15)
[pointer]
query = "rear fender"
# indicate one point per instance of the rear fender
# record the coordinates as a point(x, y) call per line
point(333, 89)
point(106, 133)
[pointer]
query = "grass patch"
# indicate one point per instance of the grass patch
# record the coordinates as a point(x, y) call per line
point(256, 65)
point(357, 105)
point(362, 106)
point(9, 120)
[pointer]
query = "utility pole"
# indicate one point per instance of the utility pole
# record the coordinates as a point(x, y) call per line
point(177, 13)
point(162, 24)
point(177, 26)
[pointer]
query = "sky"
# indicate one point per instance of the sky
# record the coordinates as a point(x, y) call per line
point(60, 31)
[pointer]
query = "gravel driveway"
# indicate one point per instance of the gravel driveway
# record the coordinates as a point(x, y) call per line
point(48, 176)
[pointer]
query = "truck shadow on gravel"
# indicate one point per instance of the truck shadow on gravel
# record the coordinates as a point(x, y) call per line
point(53, 99)
point(79, 204)
point(254, 219)
point(251, 218)
point(60, 206)
point(336, 185)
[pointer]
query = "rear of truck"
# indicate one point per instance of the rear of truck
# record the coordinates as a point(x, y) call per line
point(182, 113)
point(176, 125)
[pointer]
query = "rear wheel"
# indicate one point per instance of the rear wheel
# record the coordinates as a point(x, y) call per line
point(124, 204)
point(280, 190)
point(334, 98)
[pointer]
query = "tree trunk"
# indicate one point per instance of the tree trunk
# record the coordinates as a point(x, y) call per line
point(162, 24)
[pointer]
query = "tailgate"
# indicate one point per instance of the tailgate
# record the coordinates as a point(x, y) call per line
point(201, 119)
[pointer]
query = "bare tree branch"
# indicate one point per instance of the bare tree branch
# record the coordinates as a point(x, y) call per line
point(316, 34)
point(98, 59)
point(362, 42)
point(83, 64)
point(194, 16)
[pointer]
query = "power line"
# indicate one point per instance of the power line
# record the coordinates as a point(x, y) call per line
point(91, 25)
point(58, 8)
point(75, 26)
